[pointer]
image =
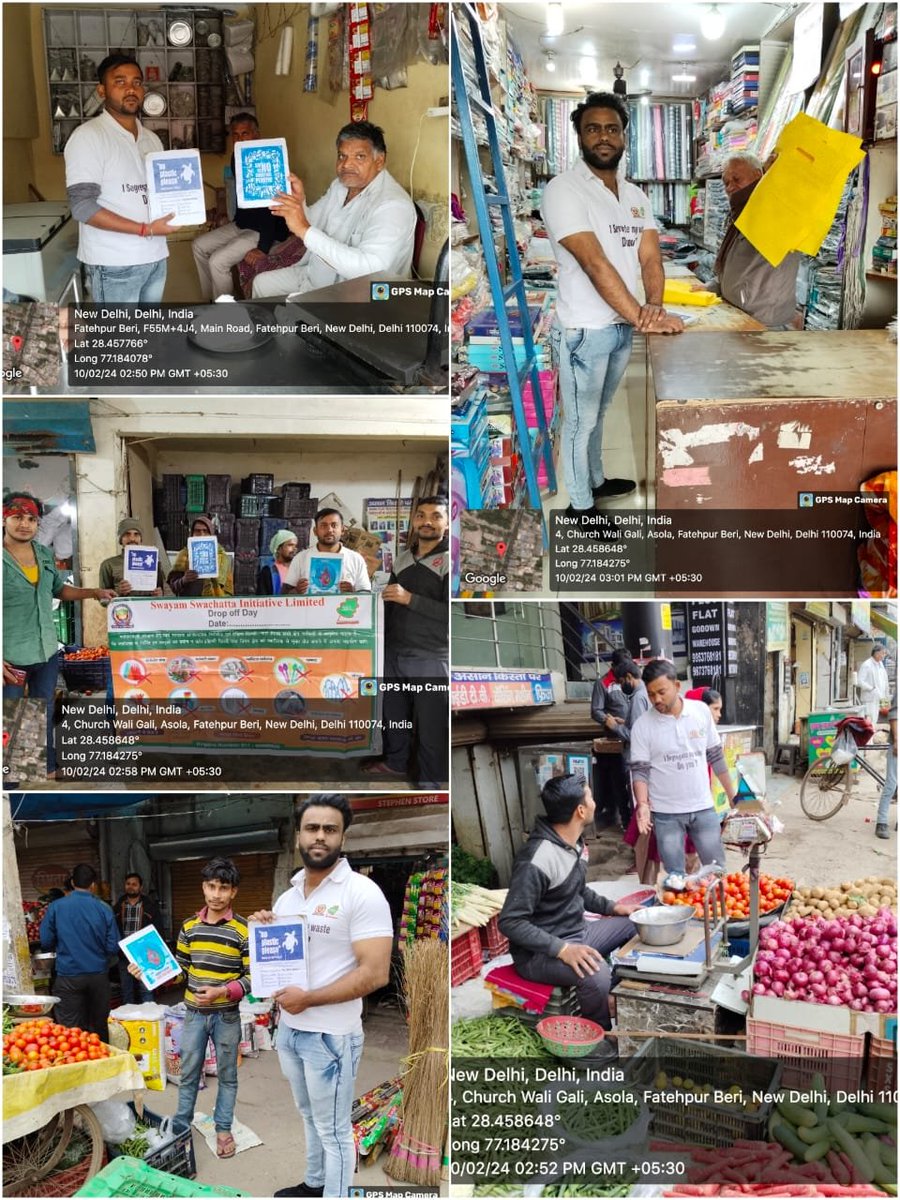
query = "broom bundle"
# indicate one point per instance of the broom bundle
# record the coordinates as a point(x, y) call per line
point(417, 1150)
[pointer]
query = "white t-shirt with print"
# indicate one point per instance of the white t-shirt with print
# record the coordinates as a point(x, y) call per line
point(675, 748)
point(353, 568)
point(103, 152)
point(345, 908)
point(578, 202)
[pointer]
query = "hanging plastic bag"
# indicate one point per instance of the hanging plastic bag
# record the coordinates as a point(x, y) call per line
point(117, 1120)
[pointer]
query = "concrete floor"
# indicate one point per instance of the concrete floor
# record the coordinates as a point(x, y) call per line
point(265, 1105)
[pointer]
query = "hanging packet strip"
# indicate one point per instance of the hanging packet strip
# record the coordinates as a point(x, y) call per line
point(793, 205)
point(360, 62)
point(311, 76)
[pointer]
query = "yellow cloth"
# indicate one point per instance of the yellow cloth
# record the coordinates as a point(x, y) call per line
point(793, 205)
point(678, 291)
point(33, 1098)
point(32, 574)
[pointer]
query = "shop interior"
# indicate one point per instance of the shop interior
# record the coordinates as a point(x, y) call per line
point(285, 64)
point(694, 422)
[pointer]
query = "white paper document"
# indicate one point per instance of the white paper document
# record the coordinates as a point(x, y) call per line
point(278, 955)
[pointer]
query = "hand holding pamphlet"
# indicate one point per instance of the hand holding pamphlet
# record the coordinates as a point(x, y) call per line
point(278, 955)
point(175, 185)
point(260, 171)
point(151, 956)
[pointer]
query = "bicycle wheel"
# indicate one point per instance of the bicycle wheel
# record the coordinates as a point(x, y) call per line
point(825, 789)
point(26, 1160)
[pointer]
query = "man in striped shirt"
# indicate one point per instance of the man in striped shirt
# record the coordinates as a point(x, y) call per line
point(213, 952)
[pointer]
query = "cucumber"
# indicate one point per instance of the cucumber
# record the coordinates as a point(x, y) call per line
point(883, 1112)
point(784, 1134)
point(857, 1123)
point(817, 1150)
point(813, 1135)
point(797, 1114)
point(819, 1107)
point(872, 1147)
point(853, 1149)
point(837, 1106)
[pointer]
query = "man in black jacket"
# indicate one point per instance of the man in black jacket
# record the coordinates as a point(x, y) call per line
point(133, 911)
point(249, 235)
point(544, 913)
point(416, 652)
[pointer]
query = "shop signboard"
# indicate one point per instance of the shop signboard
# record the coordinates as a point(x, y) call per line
point(859, 615)
point(499, 689)
point(778, 629)
point(253, 674)
point(712, 636)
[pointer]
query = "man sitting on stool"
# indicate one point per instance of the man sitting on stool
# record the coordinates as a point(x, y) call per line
point(544, 913)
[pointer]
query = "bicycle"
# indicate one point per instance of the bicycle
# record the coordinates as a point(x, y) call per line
point(827, 785)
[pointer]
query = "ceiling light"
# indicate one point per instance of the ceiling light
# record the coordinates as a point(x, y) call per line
point(684, 45)
point(588, 68)
point(549, 56)
point(645, 100)
point(555, 19)
point(712, 23)
point(683, 76)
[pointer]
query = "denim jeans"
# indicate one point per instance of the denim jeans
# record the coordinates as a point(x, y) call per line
point(591, 365)
point(890, 786)
point(321, 1069)
point(224, 1027)
point(141, 284)
point(40, 680)
point(133, 991)
point(706, 833)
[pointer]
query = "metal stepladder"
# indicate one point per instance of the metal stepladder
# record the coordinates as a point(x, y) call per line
point(501, 294)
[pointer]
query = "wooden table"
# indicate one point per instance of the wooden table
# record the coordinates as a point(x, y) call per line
point(747, 420)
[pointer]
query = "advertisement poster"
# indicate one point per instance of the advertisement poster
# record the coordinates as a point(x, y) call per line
point(278, 955)
point(141, 567)
point(261, 170)
point(267, 673)
point(499, 689)
point(149, 952)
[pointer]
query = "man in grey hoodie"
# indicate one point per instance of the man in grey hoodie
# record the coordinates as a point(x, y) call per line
point(544, 913)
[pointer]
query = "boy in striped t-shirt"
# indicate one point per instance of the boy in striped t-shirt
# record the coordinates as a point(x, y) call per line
point(213, 952)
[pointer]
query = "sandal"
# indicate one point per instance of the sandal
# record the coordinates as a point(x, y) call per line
point(379, 767)
point(225, 1145)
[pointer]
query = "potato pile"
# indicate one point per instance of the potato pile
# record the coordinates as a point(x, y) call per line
point(863, 896)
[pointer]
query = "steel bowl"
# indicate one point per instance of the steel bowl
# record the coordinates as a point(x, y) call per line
point(30, 1006)
point(662, 925)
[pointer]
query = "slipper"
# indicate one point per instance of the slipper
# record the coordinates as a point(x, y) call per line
point(381, 768)
point(225, 1145)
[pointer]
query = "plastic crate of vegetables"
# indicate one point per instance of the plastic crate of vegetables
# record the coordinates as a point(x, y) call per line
point(132, 1177)
point(86, 669)
point(175, 1154)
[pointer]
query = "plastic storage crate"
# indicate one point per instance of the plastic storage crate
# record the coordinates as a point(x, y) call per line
point(302, 529)
point(248, 505)
point(246, 535)
point(881, 1065)
point(225, 525)
point(173, 491)
point(218, 491)
point(493, 943)
point(175, 1156)
point(64, 1183)
point(132, 1177)
point(465, 957)
point(803, 1053)
point(269, 506)
point(268, 527)
point(93, 675)
point(703, 1122)
point(303, 510)
point(195, 493)
point(246, 569)
point(292, 497)
point(259, 485)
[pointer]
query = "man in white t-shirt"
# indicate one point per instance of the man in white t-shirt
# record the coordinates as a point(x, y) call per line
point(872, 684)
point(671, 745)
point(328, 528)
point(603, 235)
point(364, 224)
point(124, 254)
point(320, 1036)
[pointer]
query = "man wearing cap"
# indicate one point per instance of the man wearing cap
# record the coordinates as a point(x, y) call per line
point(282, 547)
point(112, 570)
point(185, 582)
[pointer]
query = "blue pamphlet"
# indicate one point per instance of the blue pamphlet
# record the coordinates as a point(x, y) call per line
point(141, 567)
point(203, 556)
point(175, 185)
point(324, 574)
point(260, 170)
point(151, 955)
point(278, 955)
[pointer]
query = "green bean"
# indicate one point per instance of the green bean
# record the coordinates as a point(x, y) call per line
point(498, 1189)
point(495, 1037)
point(564, 1188)
point(598, 1120)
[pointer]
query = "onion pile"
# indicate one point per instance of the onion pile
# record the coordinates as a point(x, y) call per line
point(849, 961)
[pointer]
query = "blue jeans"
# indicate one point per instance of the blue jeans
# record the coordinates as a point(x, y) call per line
point(591, 365)
point(40, 681)
point(890, 786)
point(224, 1027)
point(133, 991)
point(142, 284)
point(706, 833)
point(321, 1069)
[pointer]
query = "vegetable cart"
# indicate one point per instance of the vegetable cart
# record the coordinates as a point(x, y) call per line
point(41, 1109)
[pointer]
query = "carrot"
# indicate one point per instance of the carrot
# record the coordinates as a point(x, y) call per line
point(838, 1169)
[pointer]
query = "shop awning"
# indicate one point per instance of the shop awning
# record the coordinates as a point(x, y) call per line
point(36, 426)
point(71, 806)
point(885, 622)
point(257, 839)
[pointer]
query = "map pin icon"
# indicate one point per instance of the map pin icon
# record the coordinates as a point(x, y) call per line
point(501, 549)
point(16, 341)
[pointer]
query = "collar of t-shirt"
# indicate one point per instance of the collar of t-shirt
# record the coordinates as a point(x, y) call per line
point(338, 874)
point(206, 917)
point(133, 137)
point(586, 173)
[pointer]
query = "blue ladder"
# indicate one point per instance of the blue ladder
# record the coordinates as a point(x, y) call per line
point(501, 294)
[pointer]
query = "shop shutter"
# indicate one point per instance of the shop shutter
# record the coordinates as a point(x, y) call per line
point(254, 892)
point(46, 854)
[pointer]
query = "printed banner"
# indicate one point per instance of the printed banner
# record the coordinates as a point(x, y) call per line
point(499, 689)
point(260, 674)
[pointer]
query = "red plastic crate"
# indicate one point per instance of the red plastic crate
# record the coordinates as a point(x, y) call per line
point(493, 942)
point(804, 1052)
point(465, 957)
point(881, 1065)
point(67, 1182)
